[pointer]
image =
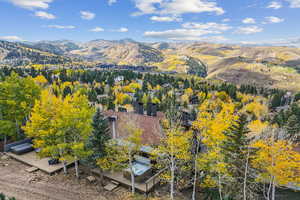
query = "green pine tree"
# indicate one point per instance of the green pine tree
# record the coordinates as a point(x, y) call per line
point(293, 126)
point(99, 137)
point(237, 155)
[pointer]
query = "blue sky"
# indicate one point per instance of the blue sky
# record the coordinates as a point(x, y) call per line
point(230, 21)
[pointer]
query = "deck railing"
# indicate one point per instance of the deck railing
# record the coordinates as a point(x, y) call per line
point(153, 179)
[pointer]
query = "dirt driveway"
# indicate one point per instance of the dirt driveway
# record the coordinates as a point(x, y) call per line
point(16, 182)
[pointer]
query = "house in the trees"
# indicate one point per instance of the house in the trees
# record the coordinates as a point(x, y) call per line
point(149, 122)
point(119, 79)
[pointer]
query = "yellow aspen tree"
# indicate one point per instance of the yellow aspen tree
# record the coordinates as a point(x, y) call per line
point(41, 80)
point(173, 153)
point(17, 98)
point(42, 125)
point(216, 115)
point(277, 164)
point(75, 124)
point(60, 127)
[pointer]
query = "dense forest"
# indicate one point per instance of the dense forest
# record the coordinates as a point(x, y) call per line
point(220, 140)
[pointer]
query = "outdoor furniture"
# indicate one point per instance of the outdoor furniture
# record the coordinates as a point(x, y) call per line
point(38, 150)
point(22, 148)
point(53, 161)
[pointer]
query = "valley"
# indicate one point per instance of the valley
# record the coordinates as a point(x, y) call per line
point(259, 65)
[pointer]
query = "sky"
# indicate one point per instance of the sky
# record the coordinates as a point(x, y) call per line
point(220, 21)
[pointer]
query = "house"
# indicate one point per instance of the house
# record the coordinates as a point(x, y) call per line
point(150, 125)
point(146, 176)
point(119, 79)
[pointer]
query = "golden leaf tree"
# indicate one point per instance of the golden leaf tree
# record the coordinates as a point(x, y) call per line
point(277, 164)
point(216, 116)
point(17, 97)
point(60, 127)
point(173, 153)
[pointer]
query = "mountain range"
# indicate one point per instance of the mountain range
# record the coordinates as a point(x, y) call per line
point(271, 66)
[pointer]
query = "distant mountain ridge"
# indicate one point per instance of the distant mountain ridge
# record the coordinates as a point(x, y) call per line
point(274, 66)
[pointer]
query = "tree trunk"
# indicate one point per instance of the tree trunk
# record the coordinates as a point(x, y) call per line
point(172, 178)
point(132, 176)
point(195, 183)
point(195, 171)
point(132, 183)
point(273, 191)
point(245, 176)
point(64, 162)
point(220, 187)
point(65, 167)
point(269, 189)
point(76, 168)
point(4, 142)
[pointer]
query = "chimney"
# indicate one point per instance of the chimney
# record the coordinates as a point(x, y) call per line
point(136, 107)
point(185, 116)
point(149, 109)
point(140, 108)
point(113, 120)
point(154, 110)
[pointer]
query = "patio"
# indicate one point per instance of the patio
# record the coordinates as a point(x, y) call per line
point(144, 187)
point(33, 160)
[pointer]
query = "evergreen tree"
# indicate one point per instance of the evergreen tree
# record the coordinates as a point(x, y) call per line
point(280, 118)
point(276, 101)
point(99, 137)
point(145, 86)
point(237, 154)
point(292, 126)
point(297, 96)
point(186, 84)
point(92, 95)
point(67, 90)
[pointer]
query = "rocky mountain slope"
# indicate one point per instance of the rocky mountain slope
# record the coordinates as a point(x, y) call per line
point(269, 66)
point(117, 52)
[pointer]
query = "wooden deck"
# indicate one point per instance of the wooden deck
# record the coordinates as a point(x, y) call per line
point(144, 187)
point(33, 160)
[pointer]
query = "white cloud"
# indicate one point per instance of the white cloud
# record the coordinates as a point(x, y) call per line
point(226, 20)
point(191, 31)
point(32, 4)
point(61, 27)
point(275, 42)
point(249, 21)
point(87, 15)
point(275, 5)
point(273, 20)
point(294, 3)
point(166, 19)
point(110, 2)
point(182, 35)
point(44, 15)
point(97, 29)
point(247, 30)
point(212, 26)
point(11, 38)
point(122, 30)
point(176, 7)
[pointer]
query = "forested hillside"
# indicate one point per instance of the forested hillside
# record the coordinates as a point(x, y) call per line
point(227, 140)
point(22, 54)
point(262, 66)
